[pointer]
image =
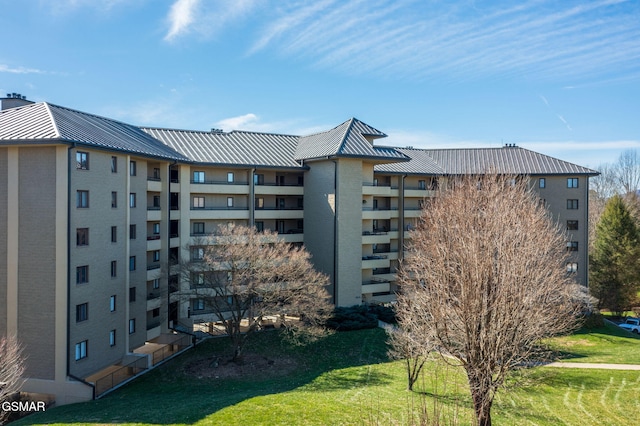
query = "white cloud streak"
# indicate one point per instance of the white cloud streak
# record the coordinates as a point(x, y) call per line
point(424, 39)
point(180, 18)
point(19, 70)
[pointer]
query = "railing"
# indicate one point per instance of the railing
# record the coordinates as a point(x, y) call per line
point(118, 376)
point(153, 295)
point(217, 182)
point(154, 179)
point(383, 184)
point(219, 208)
point(374, 257)
point(152, 267)
point(374, 232)
point(153, 237)
point(154, 208)
point(278, 184)
point(152, 325)
point(173, 347)
point(369, 209)
point(279, 208)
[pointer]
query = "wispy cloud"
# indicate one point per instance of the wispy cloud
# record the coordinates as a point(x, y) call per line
point(255, 123)
point(459, 39)
point(19, 70)
point(205, 19)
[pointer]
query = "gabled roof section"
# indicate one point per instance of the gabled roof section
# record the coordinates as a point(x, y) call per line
point(508, 160)
point(237, 148)
point(47, 123)
point(350, 139)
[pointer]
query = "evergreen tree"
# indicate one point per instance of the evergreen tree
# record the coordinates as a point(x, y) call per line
point(615, 258)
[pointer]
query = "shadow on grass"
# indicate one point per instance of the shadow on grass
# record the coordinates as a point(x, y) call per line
point(172, 394)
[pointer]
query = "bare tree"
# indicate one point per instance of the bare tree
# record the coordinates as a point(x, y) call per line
point(627, 171)
point(409, 344)
point(485, 276)
point(244, 276)
point(11, 369)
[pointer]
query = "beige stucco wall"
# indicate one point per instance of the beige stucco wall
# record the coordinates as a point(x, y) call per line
point(3, 240)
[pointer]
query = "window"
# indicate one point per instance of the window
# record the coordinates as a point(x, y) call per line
point(114, 164)
point(155, 313)
point(132, 263)
point(82, 312)
point(132, 168)
point(258, 179)
point(230, 177)
point(198, 202)
point(422, 184)
point(197, 279)
point(82, 160)
point(132, 325)
point(156, 201)
point(132, 232)
point(572, 267)
point(198, 228)
point(229, 201)
point(114, 199)
point(156, 283)
point(572, 225)
point(156, 173)
point(542, 183)
point(572, 204)
point(82, 274)
point(132, 294)
point(156, 228)
point(198, 304)
point(197, 253)
point(280, 203)
point(82, 236)
point(132, 199)
point(198, 177)
point(260, 226)
point(280, 180)
point(82, 199)
point(114, 234)
point(81, 350)
point(112, 338)
point(572, 182)
point(260, 203)
point(112, 303)
point(572, 246)
point(114, 269)
point(156, 255)
point(280, 226)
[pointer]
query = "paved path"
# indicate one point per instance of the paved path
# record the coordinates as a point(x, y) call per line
point(592, 365)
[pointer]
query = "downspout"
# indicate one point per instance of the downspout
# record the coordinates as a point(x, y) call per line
point(169, 240)
point(401, 218)
point(252, 198)
point(335, 231)
point(69, 201)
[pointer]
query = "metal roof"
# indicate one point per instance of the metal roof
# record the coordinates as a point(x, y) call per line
point(508, 159)
point(353, 138)
point(235, 148)
point(46, 123)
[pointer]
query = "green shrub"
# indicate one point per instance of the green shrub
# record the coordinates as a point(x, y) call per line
point(593, 320)
point(359, 317)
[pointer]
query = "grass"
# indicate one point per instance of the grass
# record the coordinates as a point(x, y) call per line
point(346, 379)
point(609, 344)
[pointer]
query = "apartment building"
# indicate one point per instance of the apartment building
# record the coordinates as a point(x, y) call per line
point(95, 211)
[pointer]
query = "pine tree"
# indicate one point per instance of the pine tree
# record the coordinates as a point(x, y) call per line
point(615, 258)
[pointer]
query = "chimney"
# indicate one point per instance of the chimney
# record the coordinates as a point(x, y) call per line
point(13, 100)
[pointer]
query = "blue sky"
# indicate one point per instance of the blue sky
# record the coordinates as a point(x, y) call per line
point(557, 77)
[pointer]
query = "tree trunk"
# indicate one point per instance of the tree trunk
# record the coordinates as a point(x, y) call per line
point(482, 399)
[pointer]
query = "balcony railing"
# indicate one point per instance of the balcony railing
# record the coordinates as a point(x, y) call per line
point(118, 376)
point(220, 208)
point(152, 267)
point(374, 232)
point(217, 182)
point(153, 295)
point(374, 257)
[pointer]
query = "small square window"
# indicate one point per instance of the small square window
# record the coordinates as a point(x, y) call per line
point(82, 274)
point(572, 267)
point(572, 204)
point(572, 225)
point(82, 312)
point(542, 183)
point(82, 160)
point(132, 294)
point(132, 263)
point(572, 246)
point(133, 170)
point(156, 229)
point(114, 164)
point(82, 199)
point(258, 179)
point(156, 255)
point(81, 350)
point(114, 268)
point(132, 232)
point(132, 199)
point(422, 184)
point(155, 313)
point(132, 325)
point(260, 226)
point(114, 234)
point(229, 201)
point(198, 177)
point(112, 303)
point(198, 304)
point(198, 228)
point(572, 182)
point(230, 177)
point(82, 236)
point(156, 173)
point(259, 203)
point(156, 283)
point(198, 202)
point(114, 199)
point(112, 338)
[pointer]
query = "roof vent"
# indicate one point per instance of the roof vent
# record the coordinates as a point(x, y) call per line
point(217, 131)
point(13, 100)
point(510, 145)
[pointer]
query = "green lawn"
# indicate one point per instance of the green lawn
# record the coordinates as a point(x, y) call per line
point(346, 379)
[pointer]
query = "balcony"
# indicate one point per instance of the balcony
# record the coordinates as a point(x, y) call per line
point(154, 214)
point(275, 213)
point(154, 243)
point(371, 188)
point(154, 184)
point(412, 211)
point(375, 261)
point(237, 213)
point(220, 187)
point(376, 287)
point(379, 213)
point(273, 189)
point(154, 303)
point(375, 237)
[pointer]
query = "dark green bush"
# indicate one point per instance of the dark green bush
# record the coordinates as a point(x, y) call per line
point(359, 317)
point(593, 320)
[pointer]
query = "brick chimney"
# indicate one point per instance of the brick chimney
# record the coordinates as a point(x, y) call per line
point(13, 100)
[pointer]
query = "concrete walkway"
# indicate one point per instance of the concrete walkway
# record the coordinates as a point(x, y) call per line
point(594, 366)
